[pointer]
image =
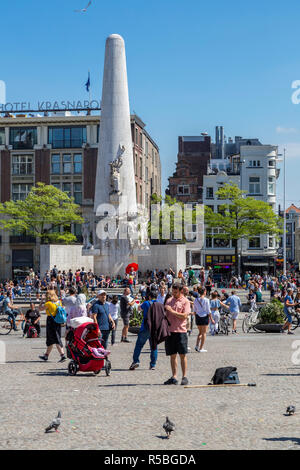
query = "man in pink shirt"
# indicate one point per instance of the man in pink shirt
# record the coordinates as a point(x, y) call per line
point(177, 311)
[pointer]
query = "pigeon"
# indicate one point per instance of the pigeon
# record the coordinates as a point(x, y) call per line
point(83, 10)
point(168, 427)
point(290, 410)
point(55, 423)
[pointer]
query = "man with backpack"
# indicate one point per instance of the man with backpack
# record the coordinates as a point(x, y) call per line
point(144, 335)
point(32, 318)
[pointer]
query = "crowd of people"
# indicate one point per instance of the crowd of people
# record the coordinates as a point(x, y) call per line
point(170, 304)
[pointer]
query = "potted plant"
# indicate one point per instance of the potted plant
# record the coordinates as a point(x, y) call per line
point(135, 321)
point(271, 317)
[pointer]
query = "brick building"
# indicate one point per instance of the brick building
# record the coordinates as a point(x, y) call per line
point(61, 149)
point(194, 154)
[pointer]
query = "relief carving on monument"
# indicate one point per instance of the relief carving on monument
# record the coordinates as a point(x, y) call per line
point(115, 171)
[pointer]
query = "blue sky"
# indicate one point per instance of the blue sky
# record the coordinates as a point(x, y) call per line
point(192, 65)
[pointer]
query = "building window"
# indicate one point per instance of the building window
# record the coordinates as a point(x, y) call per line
point(55, 164)
point(67, 164)
point(136, 136)
point(271, 242)
point(271, 185)
point(20, 191)
point(66, 137)
point(22, 137)
point(141, 168)
point(78, 193)
point(77, 163)
point(254, 185)
point(22, 165)
point(146, 148)
point(209, 193)
point(141, 140)
point(254, 243)
point(272, 163)
point(183, 189)
point(141, 195)
point(66, 187)
point(254, 163)
point(2, 135)
point(146, 174)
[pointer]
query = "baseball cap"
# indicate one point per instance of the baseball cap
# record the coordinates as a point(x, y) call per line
point(101, 292)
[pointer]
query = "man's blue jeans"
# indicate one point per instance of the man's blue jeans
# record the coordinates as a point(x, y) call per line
point(12, 316)
point(142, 338)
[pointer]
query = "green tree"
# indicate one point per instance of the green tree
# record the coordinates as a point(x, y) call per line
point(173, 215)
point(241, 218)
point(44, 211)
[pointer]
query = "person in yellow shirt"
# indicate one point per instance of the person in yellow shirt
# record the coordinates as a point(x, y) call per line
point(53, 329)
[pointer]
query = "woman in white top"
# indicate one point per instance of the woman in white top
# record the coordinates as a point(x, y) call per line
point(78, 309)
point(203, 315)
point(114, 310)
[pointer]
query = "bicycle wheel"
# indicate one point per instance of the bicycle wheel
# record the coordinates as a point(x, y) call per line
point(5, 326)
point(295, 321)
point(246, 325)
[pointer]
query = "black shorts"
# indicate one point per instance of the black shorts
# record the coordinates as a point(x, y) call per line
point(177, 343)
point(202, 321)
point(125, 317)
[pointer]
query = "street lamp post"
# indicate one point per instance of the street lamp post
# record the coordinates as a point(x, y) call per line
point(284, 215)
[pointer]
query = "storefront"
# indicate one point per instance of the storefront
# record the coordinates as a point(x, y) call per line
point(259, 265)
point(22, 261)
point(221, 264)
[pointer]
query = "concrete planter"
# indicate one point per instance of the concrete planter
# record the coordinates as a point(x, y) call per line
point(269, 327)
point(134, 330)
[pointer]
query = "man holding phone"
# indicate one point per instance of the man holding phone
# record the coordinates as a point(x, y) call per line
point(177, 310)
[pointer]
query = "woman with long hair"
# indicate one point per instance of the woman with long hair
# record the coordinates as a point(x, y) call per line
point(53, 329)
point(203, 316)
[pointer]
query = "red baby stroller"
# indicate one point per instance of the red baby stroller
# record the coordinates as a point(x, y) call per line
point(79, 349)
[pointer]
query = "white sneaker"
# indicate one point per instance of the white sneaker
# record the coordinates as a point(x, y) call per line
point(203, 350)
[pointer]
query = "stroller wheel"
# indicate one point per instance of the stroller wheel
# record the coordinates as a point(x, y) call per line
point(72, 368)
point(108, 367)
point(96, 372)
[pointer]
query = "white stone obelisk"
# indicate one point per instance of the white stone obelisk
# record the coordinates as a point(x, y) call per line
point(115, 126)
point(115, 178)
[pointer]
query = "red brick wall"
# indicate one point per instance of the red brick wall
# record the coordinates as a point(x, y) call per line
point(5, 175)
point(89, 168)
point(42, 166)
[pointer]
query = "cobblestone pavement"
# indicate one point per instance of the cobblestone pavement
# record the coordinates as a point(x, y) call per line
point(127, 409)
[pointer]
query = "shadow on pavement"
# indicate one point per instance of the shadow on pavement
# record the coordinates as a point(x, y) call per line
point(296, 440)
point(132, 385)
point(281, 375)
point(23, 362)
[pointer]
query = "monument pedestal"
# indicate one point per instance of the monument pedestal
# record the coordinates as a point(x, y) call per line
point(114, 259)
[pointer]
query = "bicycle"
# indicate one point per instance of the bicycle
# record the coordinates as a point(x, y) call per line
point(250, 320)
point(6, 324)
point(295, 320)
point(224, 323)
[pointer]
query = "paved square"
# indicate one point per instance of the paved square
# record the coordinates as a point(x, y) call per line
point(127, 409)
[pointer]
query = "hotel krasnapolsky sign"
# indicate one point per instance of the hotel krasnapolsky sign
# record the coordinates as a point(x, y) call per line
point(43, 106)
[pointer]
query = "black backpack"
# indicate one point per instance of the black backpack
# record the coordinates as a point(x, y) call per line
point(225, 375)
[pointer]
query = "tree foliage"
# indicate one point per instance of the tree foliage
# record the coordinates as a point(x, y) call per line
point(242, 217)
point(45, 209)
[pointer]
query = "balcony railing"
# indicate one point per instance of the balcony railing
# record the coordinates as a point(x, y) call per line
point(15, 239)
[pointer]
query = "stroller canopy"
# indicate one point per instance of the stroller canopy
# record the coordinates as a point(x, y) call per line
point(90, 330)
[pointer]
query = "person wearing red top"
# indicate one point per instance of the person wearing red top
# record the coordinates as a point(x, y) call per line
point(177, 310)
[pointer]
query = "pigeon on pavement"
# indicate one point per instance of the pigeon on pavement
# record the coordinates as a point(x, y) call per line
point(55, 423)
point(168, 427)
point(290, 410)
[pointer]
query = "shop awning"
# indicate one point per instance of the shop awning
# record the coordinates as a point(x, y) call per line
point(255, 263)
